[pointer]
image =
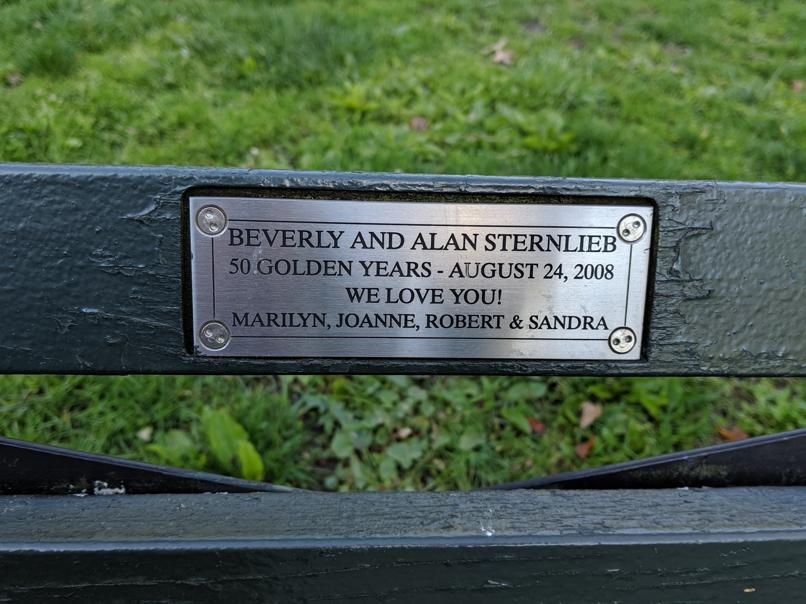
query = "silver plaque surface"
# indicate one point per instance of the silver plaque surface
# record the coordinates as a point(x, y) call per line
point(340, 278)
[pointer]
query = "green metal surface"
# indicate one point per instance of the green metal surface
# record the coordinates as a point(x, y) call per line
point(94, 271)
point(694, 545)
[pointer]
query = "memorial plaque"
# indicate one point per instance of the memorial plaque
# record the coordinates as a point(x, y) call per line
point(286, 278)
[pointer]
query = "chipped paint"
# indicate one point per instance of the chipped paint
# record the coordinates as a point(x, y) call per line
point(106, 294)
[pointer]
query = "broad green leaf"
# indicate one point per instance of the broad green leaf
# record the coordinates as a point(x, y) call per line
point(175, 448)
point(249, 461)
point(406, 452)
point(471, 439)
point(387, 469)
point(517, 417)
point(223, 434)
point(342, 444)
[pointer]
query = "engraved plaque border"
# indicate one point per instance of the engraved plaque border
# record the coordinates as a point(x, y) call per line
point(584, 215)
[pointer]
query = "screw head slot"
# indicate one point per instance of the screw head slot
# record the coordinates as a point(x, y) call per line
point(214, 335)
point(211, 220)
point(631, 228)
point(622, 340)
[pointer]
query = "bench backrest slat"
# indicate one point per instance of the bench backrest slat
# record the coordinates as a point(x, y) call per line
point(94, 260)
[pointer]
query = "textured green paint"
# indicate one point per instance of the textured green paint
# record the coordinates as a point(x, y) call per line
point(628, 546)
point(95, 258)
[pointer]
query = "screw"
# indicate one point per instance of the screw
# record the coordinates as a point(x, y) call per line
point(214, 335)
point(631, 228)
point(211, 220)
point(622, 340)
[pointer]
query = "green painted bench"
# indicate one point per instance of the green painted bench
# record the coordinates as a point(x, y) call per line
point(95, 279)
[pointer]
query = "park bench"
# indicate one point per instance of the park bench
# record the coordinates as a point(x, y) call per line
point(113, 270)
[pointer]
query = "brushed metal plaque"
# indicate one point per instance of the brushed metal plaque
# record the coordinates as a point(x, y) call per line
point(339, 278)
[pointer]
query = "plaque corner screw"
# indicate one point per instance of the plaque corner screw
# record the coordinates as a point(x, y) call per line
point(211, 220)
point(214, 335)
point(631, 228)
point(622, 340)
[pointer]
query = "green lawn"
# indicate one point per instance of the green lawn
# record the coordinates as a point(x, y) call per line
point(627, 88)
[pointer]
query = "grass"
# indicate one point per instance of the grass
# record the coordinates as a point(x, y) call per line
point(710, 90)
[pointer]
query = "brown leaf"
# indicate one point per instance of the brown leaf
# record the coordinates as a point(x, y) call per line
point(501, 54)
point(590, 413)
point(503, 57)
point(582, 449)
point(732, 433)
point(418, 123)
point(403, 433)
point(797, 85)
point(537, 426)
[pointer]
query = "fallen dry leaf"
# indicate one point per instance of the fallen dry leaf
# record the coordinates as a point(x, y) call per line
point(14, 79)
point(590, 413)
point(501, 54)
point(404, 433)
point(503, 57)
point(536, 425)
point(418, 123)
point(732, 433)
point(145, 433)
point(582, 449)
point(797, 85)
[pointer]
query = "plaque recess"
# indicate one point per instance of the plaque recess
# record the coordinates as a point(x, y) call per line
point(290, 278)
